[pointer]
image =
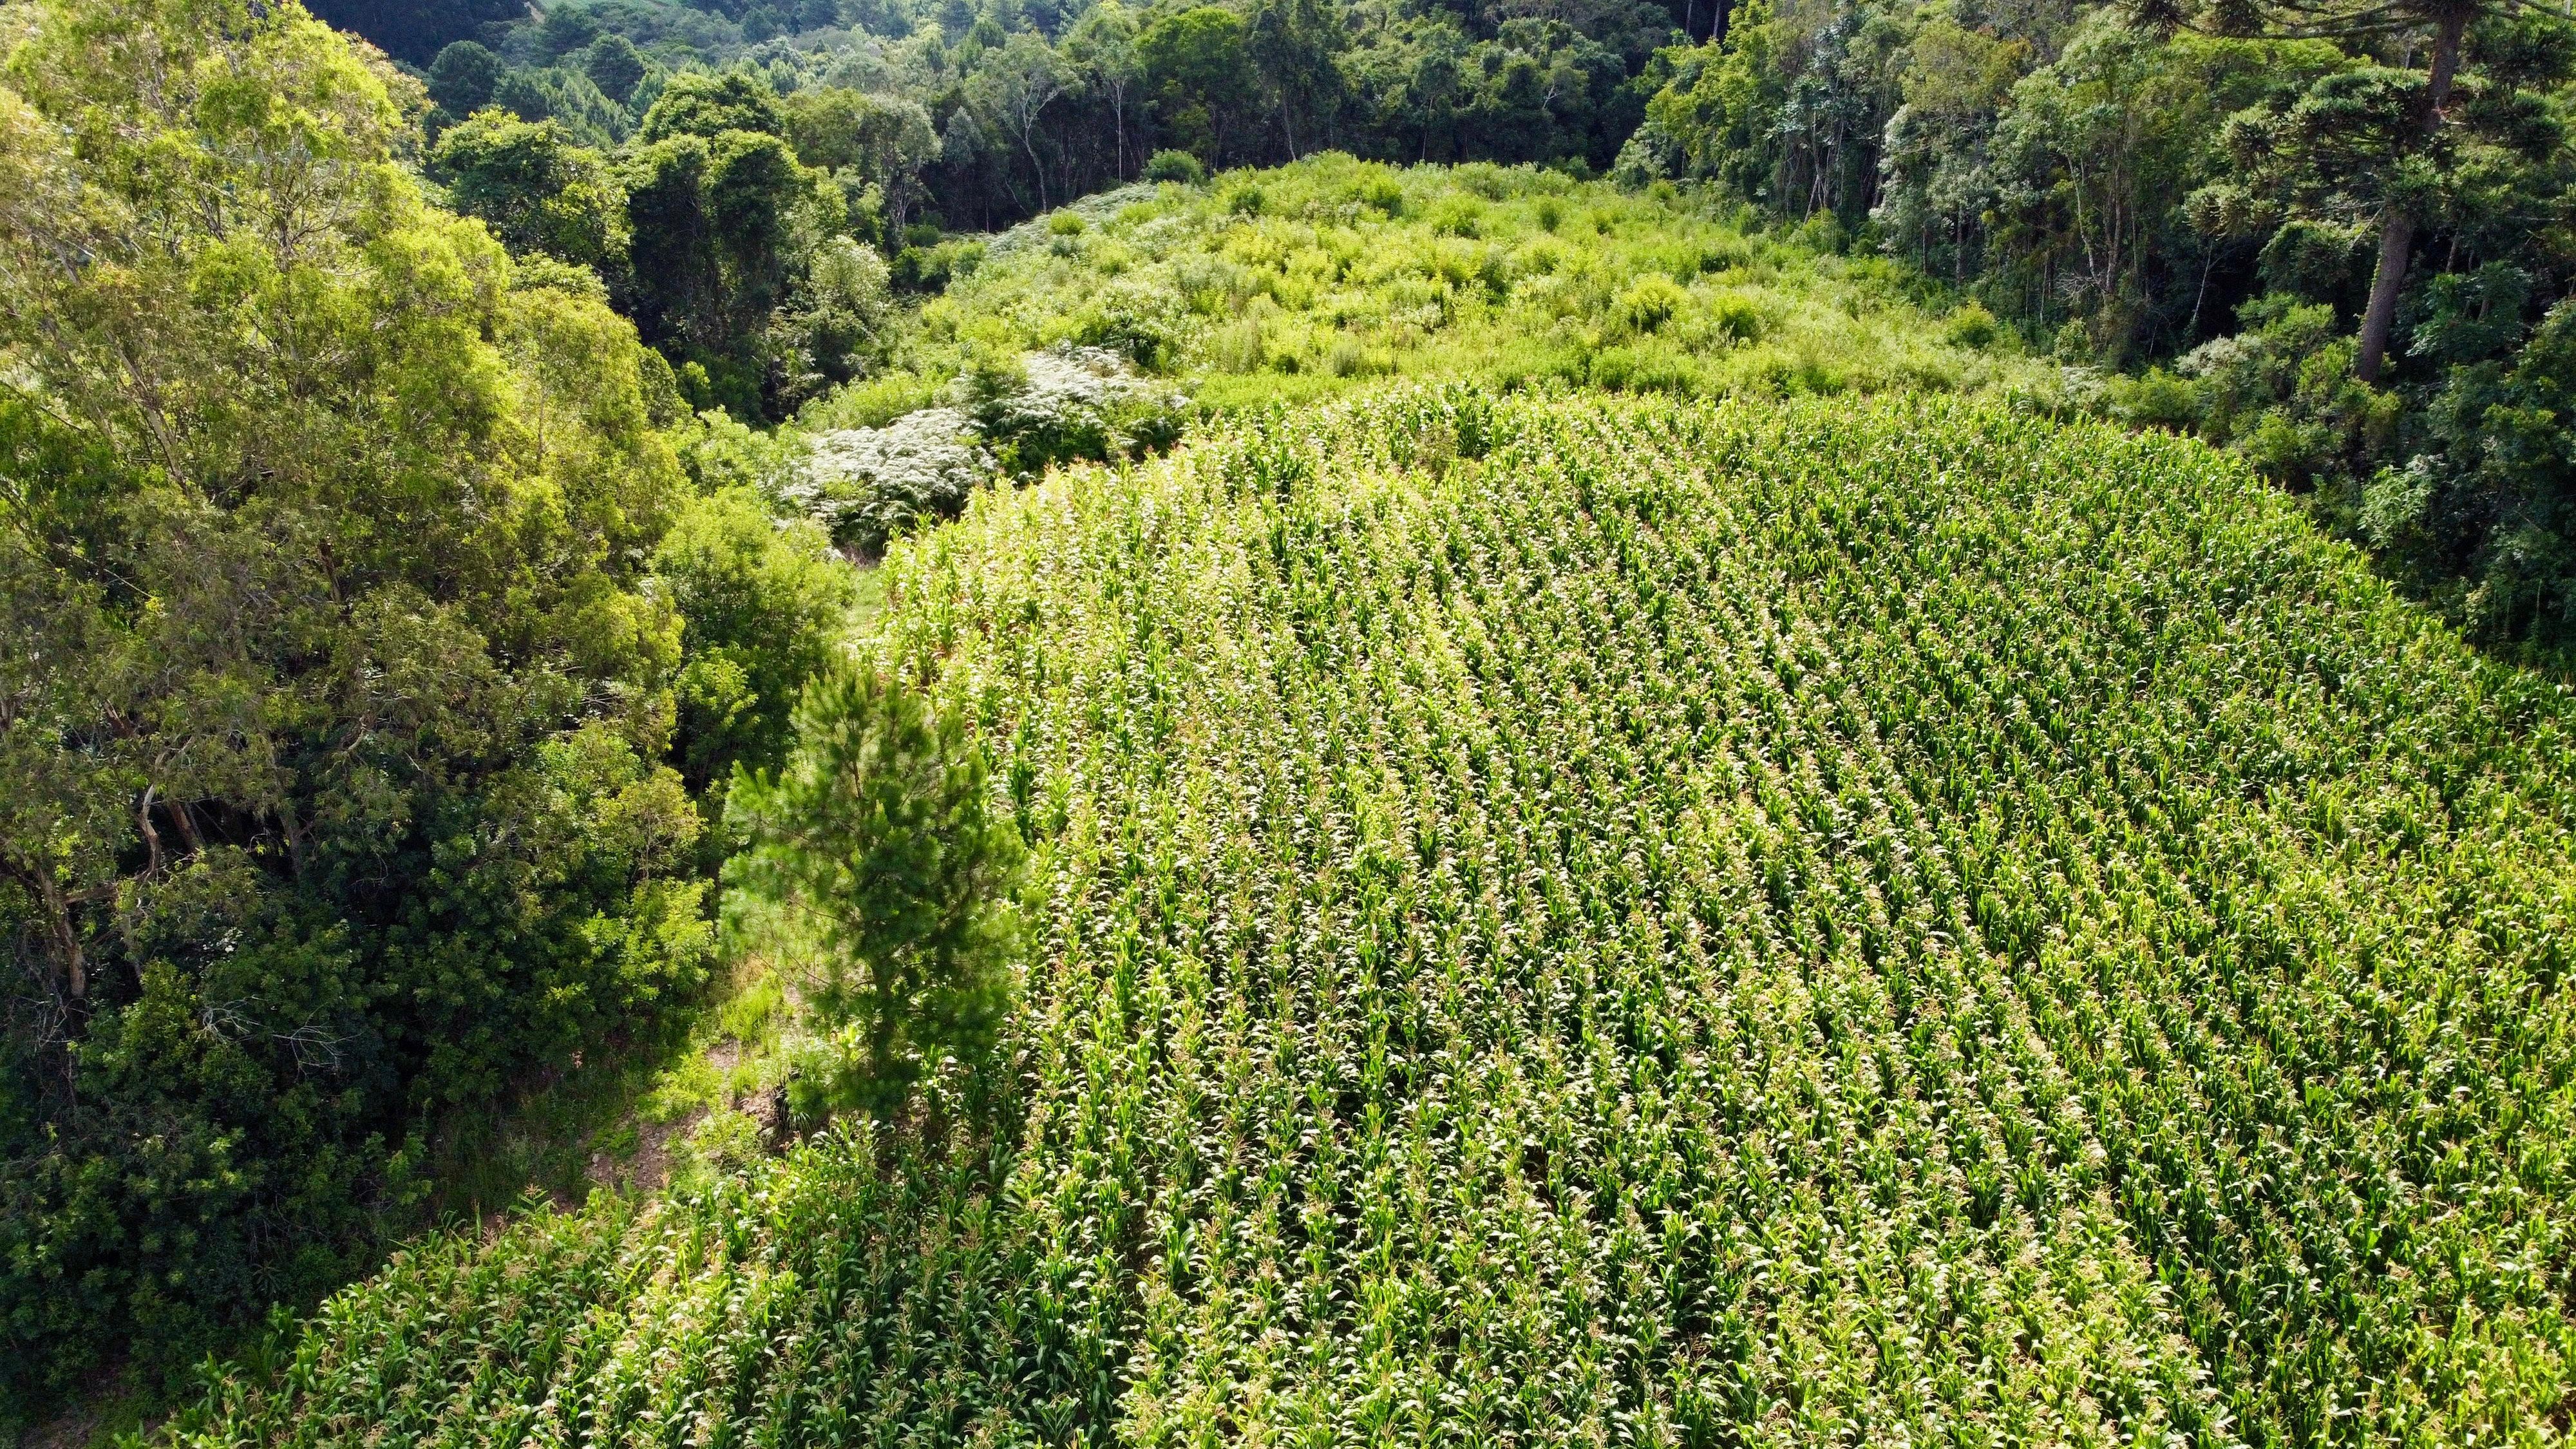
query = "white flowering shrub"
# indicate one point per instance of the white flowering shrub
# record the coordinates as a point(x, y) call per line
point(868, 484)
point(1068, 404)
point(1016, 415)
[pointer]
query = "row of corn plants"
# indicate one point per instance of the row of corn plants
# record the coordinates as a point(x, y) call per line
point(1577, 922)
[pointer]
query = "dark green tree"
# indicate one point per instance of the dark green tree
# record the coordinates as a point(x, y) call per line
point(722, 228)
point(539, 191)
point(679, 278)
point(462, 79)
point(2382, 140)
point(615, 66)
point(1200, 76)
point(414, 30)
point(763, 607)
point(867, 143)
point(710, 105)
point(1102, 48)
point(1292, 44)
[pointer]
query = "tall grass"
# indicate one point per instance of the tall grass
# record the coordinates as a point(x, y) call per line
point(1308, 280)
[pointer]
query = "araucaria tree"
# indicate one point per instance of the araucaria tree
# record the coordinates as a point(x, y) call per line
point(2376, 138)
point(878, 874)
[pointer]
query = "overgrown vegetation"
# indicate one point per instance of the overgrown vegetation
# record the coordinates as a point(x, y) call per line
point(1330, 275)
point(1317, 277)
point(1334, 274)
point(1568, 919)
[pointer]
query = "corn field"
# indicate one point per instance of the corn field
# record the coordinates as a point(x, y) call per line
point(1617, 923)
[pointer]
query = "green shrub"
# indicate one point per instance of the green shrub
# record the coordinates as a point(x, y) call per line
point(1971, 325)
point(934, 267)
point(1644, 368)
point(1141, 324)
point(1723, 253)
point(871, 403)
point(1238, 347)
point(2282, 392)
point(1175, 166)
point(1647, 304)
point(1350, 357)
point(1738, 318)
point(1458, 216)
point(2158, 399)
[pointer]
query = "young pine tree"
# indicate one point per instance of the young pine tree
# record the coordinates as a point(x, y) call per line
point(874, 870)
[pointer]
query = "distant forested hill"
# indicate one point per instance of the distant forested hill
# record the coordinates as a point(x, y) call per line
point(416, 30)
point(2333, 239)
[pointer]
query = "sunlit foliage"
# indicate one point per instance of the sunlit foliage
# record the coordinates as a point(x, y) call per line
point(1572, 921)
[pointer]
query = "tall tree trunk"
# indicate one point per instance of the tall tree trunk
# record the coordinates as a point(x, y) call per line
point(63, 932)
point(2396, 239)
point(1037, 168)
point(2397, 225)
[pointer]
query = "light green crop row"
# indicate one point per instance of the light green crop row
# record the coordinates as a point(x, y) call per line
point(1577, 922)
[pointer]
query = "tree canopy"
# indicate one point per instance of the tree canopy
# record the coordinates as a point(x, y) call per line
point(338, 700)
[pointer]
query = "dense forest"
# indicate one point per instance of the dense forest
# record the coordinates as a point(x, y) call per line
point(365, 653)
point(441, 479)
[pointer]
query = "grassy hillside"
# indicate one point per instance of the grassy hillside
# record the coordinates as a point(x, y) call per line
point(1313, 278)
point(1585, 921)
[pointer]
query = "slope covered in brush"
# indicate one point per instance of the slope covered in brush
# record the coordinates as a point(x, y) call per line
point(1580, 922)
point(1318, 277)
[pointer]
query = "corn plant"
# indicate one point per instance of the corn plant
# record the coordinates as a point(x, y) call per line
point(1624, 922)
